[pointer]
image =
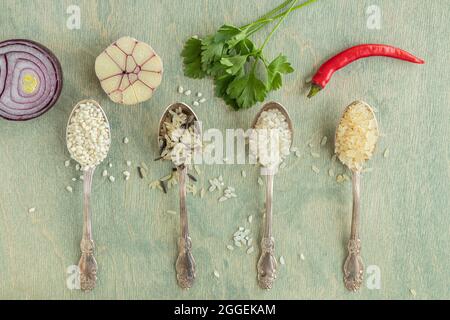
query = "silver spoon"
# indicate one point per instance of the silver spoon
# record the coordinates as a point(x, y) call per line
point(267, 264)
point(185, 264)
point(354, 266)
point(87, 263)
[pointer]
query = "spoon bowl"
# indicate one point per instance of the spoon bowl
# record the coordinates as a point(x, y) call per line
point(167, 115)
point(277, 106)
point(370, 109)
point(97, 105)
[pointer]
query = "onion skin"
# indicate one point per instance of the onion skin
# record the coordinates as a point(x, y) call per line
point(33, 84)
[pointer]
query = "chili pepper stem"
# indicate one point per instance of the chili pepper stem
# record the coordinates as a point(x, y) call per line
point(314, 90)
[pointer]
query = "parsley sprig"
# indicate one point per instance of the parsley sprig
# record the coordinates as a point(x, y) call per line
point(242, 75)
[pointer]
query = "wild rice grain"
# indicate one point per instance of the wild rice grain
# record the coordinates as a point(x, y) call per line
point(142, 172)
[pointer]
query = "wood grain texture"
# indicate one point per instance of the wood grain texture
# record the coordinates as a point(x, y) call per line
point(405, 200)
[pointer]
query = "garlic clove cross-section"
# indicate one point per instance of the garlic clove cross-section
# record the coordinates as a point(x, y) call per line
point(129, 71)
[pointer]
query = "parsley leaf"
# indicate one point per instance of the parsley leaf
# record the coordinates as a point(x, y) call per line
point(226, 33)
point(278, 66)
point(211, 51)
point(221, 85)
point(247, 90)
point(192, 59)
point(233, 64)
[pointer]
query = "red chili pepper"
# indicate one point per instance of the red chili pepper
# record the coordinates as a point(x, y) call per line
point(326, 71)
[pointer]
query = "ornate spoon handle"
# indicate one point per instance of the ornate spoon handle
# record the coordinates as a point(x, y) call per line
point(267, 264)
point(185, 265)
point(353, 266)
point(87, 264)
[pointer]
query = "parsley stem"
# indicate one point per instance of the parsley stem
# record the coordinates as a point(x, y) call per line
point(285, 14)
point(268, 14)
point(294, 8)
point(269, 18)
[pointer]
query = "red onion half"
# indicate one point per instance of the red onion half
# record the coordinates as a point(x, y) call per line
point(30, 79)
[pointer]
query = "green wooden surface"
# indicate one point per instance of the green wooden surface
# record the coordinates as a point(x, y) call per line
point(405, 200)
